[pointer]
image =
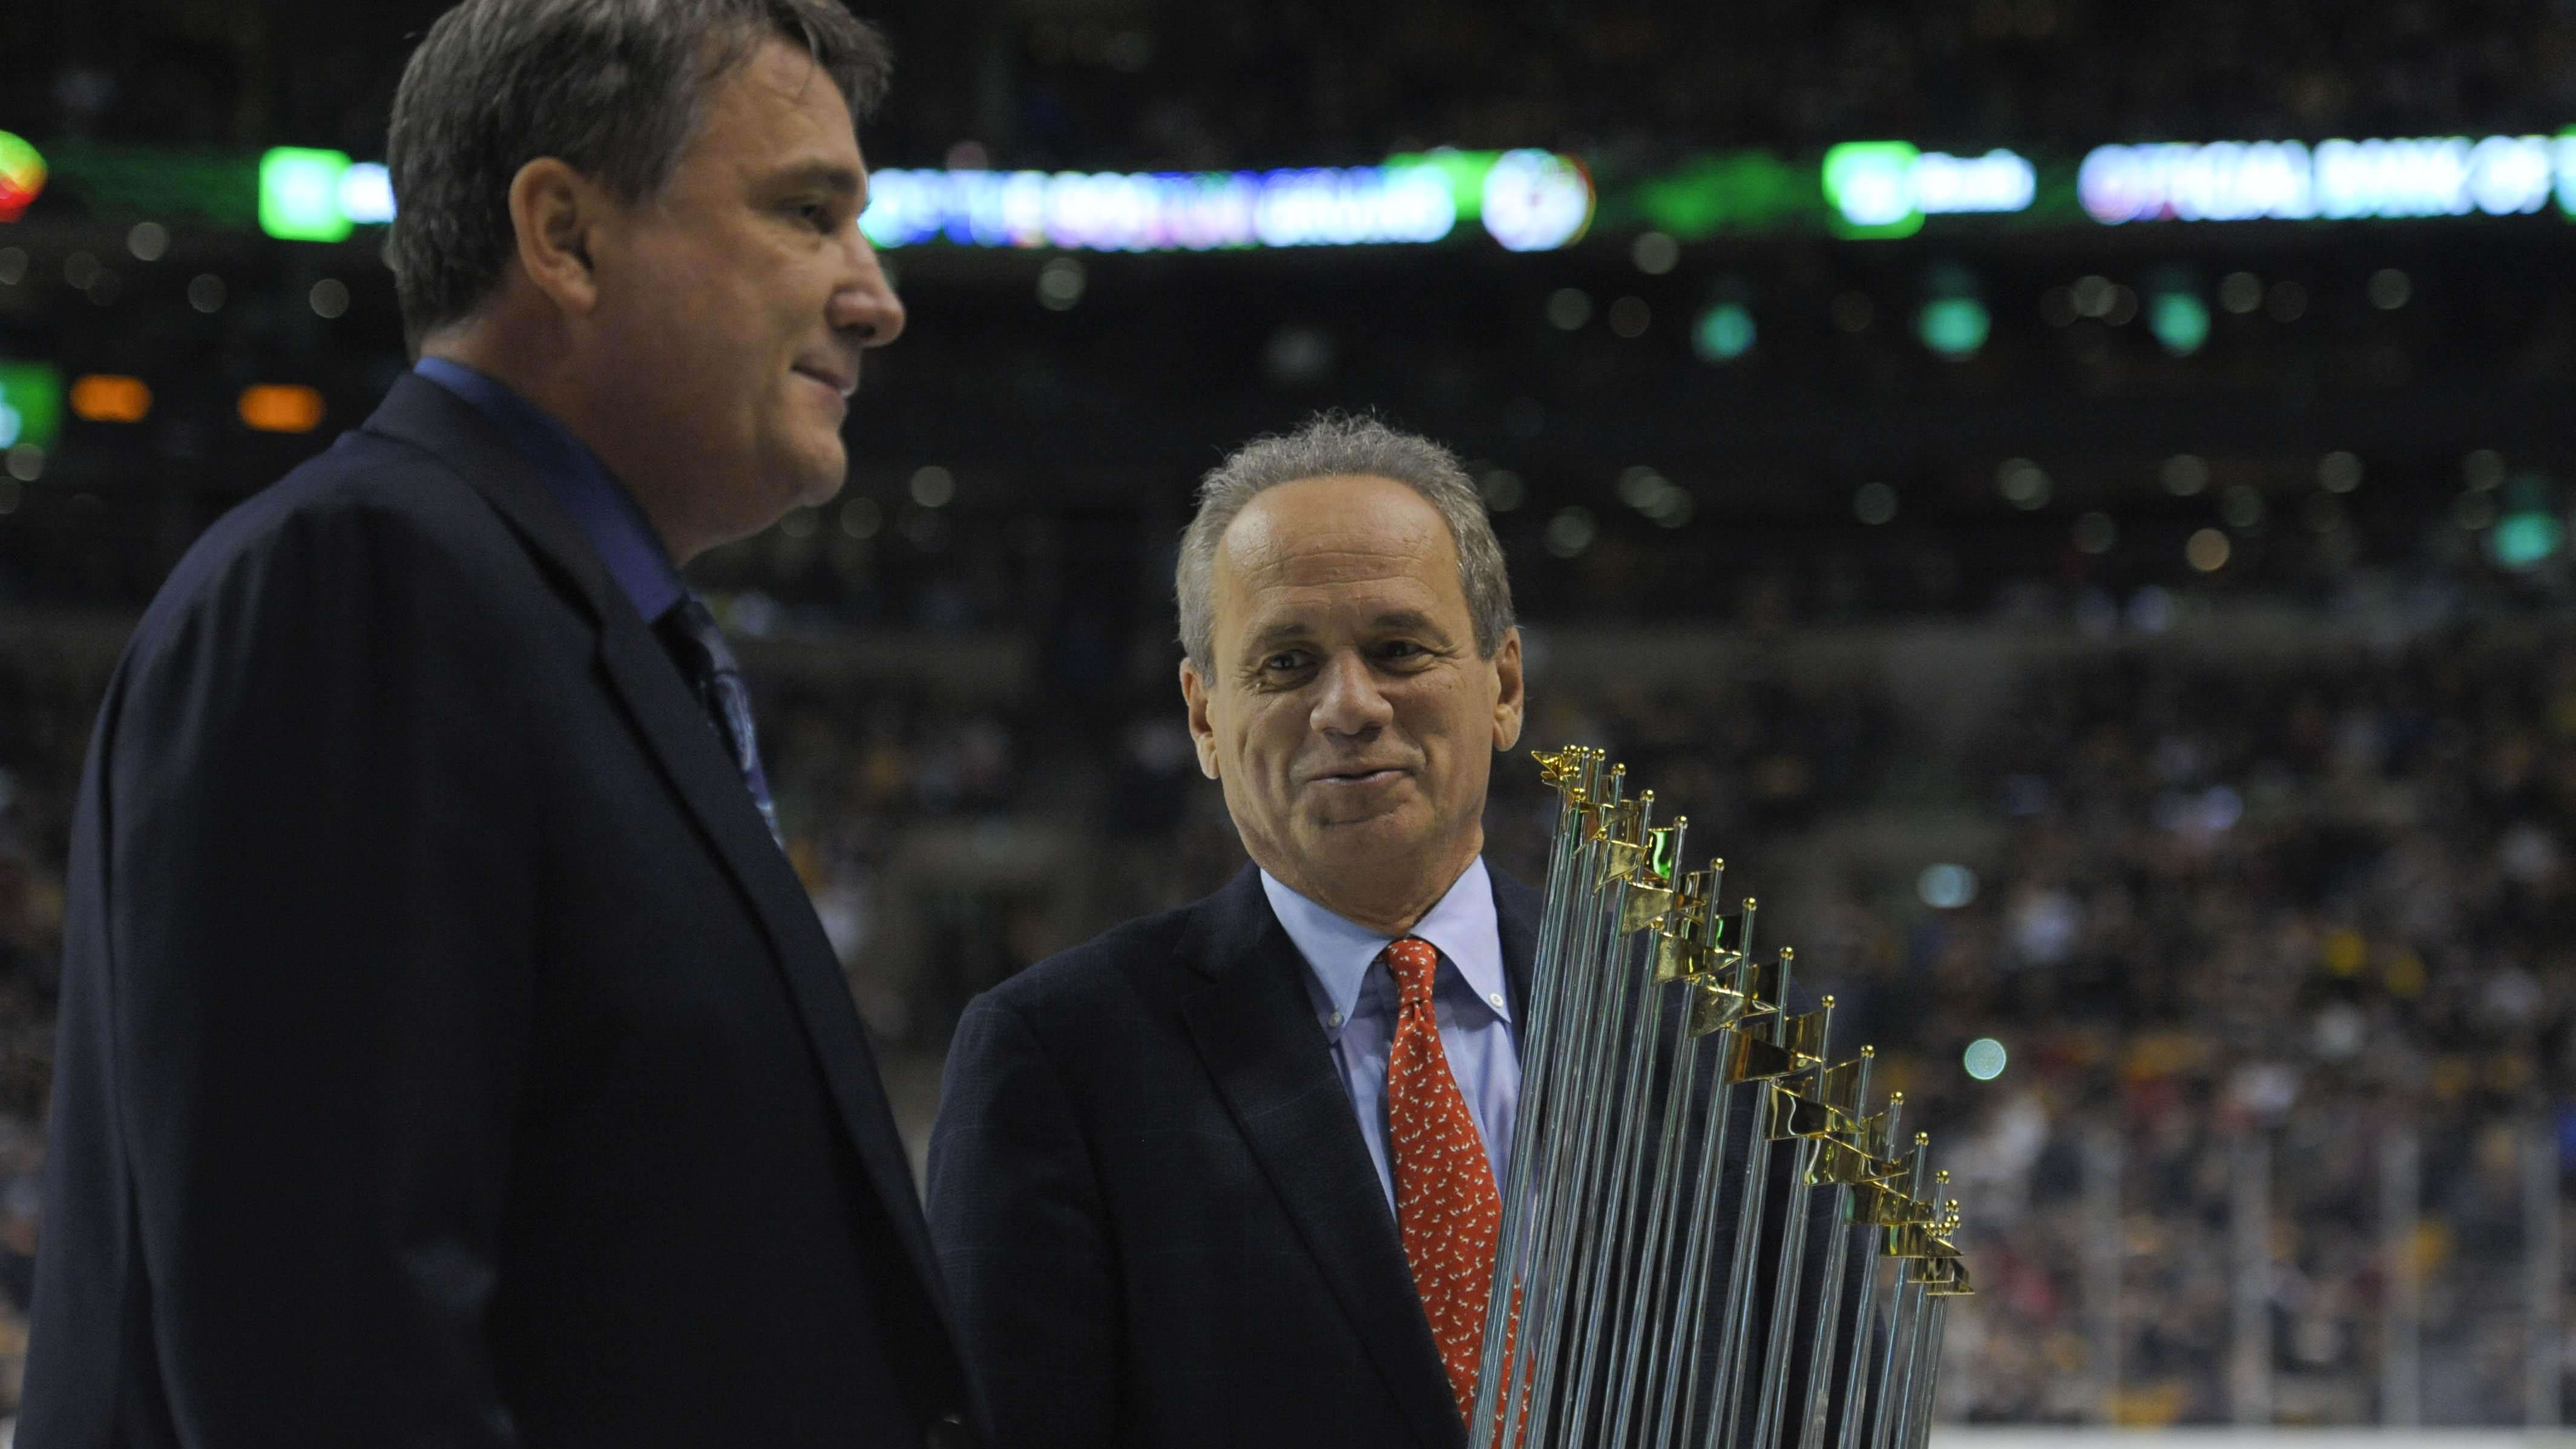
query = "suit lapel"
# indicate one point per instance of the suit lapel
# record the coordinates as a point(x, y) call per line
point(712, 787)
point(648, 685)
point(1255, 1029)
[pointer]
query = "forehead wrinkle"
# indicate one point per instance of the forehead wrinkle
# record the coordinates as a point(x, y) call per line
point(1327, 566)
point(1260, 543)
point(1279, 565)
point(1334, 601)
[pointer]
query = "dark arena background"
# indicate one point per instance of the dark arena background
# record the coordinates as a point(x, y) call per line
point(2072, 499)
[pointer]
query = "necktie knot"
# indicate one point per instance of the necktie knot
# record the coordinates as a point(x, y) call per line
point(1414, 962)
point(697, 644)
point(696, 623)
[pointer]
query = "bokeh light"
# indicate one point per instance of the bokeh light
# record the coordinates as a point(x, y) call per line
point(1984, 1059)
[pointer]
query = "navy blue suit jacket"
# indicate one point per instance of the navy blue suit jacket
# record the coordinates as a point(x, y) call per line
point(448, 1055)
point(1158, 1218)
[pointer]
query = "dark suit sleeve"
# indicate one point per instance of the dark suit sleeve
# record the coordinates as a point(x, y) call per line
point(1015, 1208)
point(317, 830)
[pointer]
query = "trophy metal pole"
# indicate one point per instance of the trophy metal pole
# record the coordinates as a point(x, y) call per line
point(1736, 1327)
point(1646, 1303)
point(1574, 992)
point(1938, 1311)
point(1626, 1171)
point(1646, 1308)
point(1570, 771)
point(1607, 1215)
point(1869, 1144)
point(1774, 1385)
point(1835, 1105)
point(1938, 1289)
point(1750, 1057)
point(1613, 1317)
point(1582, 996)
point(1585, 1127)
point(1900, 1324)
point(1682, 1378)
point(1622, 1172)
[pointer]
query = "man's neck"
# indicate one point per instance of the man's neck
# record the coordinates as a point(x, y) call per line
point(494, 350)
point(1368, 902)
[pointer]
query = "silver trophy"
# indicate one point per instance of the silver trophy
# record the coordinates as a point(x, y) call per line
point(1707, 1241)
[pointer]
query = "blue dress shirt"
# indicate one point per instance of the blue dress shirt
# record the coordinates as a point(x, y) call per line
point(605, 512)
point(1355, 1000)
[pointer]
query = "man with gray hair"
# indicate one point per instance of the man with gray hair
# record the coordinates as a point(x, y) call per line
point(1228, 1175)
point(449, 1054)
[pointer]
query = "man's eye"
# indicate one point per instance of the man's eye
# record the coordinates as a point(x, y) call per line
point(816, 214)
point(1282, 662)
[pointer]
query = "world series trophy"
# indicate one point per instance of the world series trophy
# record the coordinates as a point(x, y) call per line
point(1707, 1242)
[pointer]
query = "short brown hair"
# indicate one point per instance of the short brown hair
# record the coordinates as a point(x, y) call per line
point(613, 88)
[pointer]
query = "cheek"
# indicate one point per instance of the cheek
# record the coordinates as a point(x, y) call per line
point(728, 319)
point(1432, 712)
point(1267, 739)
point(1452, 725)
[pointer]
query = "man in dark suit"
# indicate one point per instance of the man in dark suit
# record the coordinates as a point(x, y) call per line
point(448, 1052)
point(1226, 1176)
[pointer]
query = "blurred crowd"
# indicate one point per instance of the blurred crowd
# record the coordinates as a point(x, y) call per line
point(1214, 86)
point(2247, 920)
point(2263, 921)
point(2279, 932)
point(2261, 926)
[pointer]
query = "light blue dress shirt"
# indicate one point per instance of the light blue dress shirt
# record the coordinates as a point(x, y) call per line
point(1355, 1000)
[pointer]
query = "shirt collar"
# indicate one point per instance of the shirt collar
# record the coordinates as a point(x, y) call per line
point(606, 513)
point(1339, 953)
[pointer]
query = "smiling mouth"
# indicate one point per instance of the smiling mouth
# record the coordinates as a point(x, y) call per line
point(843, 384)
point(1358, 777)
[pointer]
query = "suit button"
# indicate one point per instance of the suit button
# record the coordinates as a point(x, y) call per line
point(950, 1432)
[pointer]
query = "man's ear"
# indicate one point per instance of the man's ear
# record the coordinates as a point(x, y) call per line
point(1510, 702)
point(556, 211)
point(1202, 733)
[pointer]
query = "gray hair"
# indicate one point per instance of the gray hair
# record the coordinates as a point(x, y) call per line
point(613, 88)
point(1337, 446)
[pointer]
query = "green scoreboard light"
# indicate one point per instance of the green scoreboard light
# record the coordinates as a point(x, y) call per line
point(31, 405)
point(1465, 171)
point(1870, 186)
point(299, 194)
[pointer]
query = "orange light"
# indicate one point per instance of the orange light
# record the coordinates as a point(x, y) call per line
point(107, 397)
point(281, 407)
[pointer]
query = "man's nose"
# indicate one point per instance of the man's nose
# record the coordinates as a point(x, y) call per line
point(865, 305)
point(1349, 701)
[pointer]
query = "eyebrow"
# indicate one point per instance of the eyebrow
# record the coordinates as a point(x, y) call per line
point(1413, 619)
point(832, 176)
point(1284, 632)
point(1289, 631)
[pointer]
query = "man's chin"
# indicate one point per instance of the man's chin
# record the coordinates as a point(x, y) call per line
point(818, 475)
point(1392, 835)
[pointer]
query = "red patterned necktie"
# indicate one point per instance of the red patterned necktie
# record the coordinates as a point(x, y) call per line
point(1445, 1201)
